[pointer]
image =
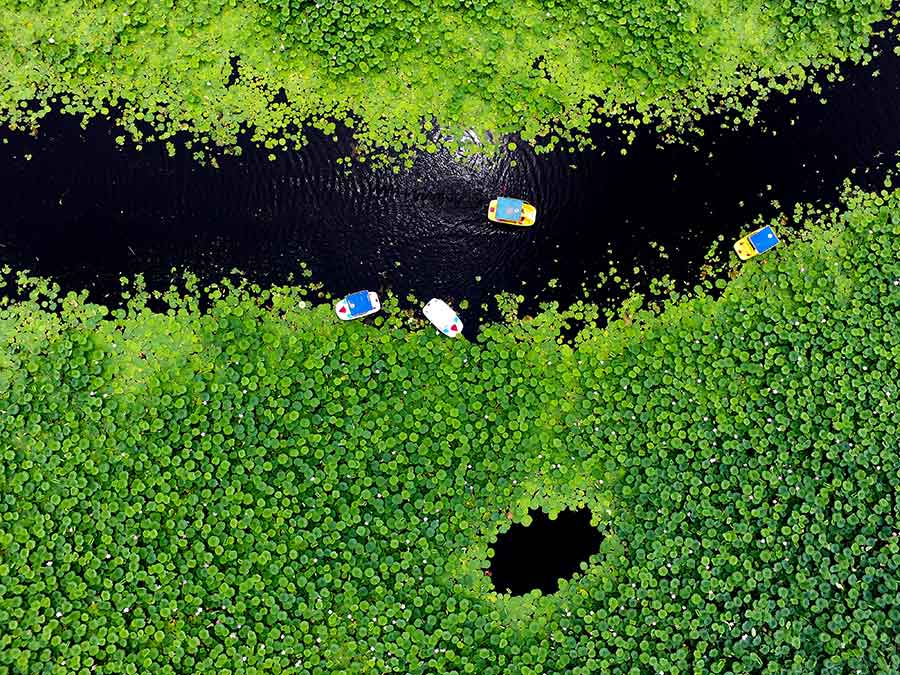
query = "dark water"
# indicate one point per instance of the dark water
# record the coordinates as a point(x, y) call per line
point(84, 212)
point(539, 555)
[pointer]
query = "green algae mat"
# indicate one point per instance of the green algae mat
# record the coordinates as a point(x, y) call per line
point(257, 488)
point(395, 70)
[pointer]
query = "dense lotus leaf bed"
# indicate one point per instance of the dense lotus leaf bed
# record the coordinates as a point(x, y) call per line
point(260, 488)
point(534, 67)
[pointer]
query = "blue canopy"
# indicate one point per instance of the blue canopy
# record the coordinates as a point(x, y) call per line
point(763, 240)
point(359, 302)
point(509, 209)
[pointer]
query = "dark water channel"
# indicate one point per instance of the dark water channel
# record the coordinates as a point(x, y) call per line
point(542, 553)
point(83, 211)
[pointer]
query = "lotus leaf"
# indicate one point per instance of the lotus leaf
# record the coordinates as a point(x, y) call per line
point(256, 487)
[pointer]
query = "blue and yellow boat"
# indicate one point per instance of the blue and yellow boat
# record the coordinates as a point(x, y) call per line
point(511, 212)
point(755, 243)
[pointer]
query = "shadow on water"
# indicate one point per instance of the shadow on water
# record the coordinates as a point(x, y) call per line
point(539, 555)
point(83, 211)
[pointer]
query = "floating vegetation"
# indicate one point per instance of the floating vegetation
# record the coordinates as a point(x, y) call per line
point(258, 487)
point(543, 69)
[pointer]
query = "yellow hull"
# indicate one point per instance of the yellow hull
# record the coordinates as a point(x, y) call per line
point(529, 215)
point(745, 249)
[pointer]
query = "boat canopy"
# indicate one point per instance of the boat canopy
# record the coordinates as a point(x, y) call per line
point(359, 302)
point(509, 209)
point(763, 240)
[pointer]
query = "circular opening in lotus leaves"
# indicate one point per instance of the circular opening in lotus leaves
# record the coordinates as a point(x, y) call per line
point(538, 555)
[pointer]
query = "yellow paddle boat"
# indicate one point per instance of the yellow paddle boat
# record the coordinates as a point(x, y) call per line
point(512, 212)
point(755, 243)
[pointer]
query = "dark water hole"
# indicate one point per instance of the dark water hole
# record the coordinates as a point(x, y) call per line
point(539, 555)
point(84, 212)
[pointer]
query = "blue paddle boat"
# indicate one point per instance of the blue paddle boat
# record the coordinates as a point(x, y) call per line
point(357, 305)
